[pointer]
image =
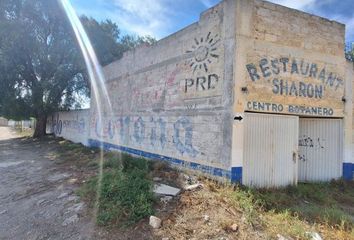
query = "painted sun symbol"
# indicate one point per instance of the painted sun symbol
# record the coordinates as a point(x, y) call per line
point(203, 51)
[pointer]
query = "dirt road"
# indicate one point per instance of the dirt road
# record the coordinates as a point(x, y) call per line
point(37, 199)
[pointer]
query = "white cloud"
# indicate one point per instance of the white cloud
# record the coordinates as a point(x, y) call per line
point(142, 17)
point(157, 17)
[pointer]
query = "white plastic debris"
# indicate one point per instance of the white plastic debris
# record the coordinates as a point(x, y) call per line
point(193, 187)
point(314, 235)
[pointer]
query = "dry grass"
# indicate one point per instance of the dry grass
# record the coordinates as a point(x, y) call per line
point(227, 205)
point(188, 220)
point(327, 209)
point(26, 132)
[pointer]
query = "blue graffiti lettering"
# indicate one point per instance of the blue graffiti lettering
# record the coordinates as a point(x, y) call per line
point(153, 132)
point(75, 124)
point(57, 125)
point(139, 130)
point(98, 128)
point(111, 130)
point(186, 145)
point(162, 138)
point(123, 124)
point(153, 137)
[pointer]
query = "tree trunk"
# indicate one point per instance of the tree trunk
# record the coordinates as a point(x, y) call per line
point(40, 129)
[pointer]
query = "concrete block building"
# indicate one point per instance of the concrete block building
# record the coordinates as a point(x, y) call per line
point(253, 92)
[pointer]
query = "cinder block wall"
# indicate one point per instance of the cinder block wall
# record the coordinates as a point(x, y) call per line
point(173, 100)
point(71, 125)
point(276, 43)
point(290, 62)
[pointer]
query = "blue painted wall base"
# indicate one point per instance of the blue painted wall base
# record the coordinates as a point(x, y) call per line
point(348, 169)
point(236, 174)
point(195, 166)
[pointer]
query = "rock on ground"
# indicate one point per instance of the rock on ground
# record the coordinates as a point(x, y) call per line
point(163, 189)
point(155, 222)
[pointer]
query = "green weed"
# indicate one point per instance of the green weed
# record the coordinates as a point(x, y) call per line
point(314, 202)
point(244, 198)
point(126, 190)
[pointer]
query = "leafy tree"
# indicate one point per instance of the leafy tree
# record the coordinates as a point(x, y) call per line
point(42, 60)
point(131, 41)
point(104, 37)
point(9, 104)
point(41, 66)
point(349, 51)
point(107, 41)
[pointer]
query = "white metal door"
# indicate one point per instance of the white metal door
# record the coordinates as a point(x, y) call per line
point(270, 150)
point(320, 149)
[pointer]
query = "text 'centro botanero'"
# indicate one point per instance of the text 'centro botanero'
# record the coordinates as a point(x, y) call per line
point(272, 69)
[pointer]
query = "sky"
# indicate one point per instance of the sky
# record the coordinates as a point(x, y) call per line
point(160, 18)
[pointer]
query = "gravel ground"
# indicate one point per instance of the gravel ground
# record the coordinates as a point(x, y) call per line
point(37, 199)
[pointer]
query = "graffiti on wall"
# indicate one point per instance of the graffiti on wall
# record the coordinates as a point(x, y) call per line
point(309, 142)
point(56, 125)
point(203, 53)
point(196, 75)
point(272, 69)
point(185, 145)
point(201, 83)
point(291, 108)
point(76, 124)
point(288, 83)
point(148, 97)
point(139, 130)
point(158, 132)
point(147, 131)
